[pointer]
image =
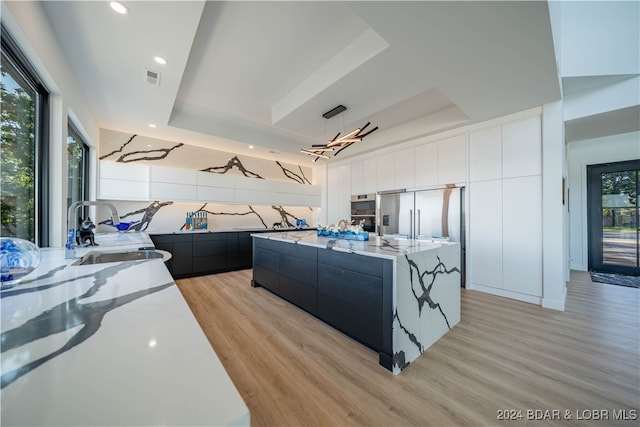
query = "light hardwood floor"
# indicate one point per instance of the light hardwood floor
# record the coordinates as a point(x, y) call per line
point(293, 370)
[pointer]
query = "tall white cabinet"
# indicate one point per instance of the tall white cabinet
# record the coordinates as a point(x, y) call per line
point(338, 193)
point(505, 209)
point(500, 162)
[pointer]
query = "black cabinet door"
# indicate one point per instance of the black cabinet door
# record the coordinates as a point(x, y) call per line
point(299, 277)
point(182, 259)
point(244, 250)
point(210, 252)
point(232, 251)
point(266, 268)
point(351, 302)
point(179, 245)
point(169, 248)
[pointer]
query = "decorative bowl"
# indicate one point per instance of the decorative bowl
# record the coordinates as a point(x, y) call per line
point(18, 257)
point(346, 235)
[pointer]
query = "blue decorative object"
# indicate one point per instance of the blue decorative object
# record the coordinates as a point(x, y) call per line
point(123, 226)
point(346, 235)
point(18, 257)
point(301, 222)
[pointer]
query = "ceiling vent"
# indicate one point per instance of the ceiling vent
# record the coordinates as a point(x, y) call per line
point(152, 77)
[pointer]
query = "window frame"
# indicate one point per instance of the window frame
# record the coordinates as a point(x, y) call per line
point(19, 61)
point(73, 131)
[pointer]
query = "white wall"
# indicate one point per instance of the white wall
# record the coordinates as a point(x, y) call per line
point(28, 25)
point(599, 37)
point(590, 152)
point(609, 97)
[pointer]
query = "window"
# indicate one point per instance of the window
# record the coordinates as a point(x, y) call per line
point(77, 167)
point(24, 133)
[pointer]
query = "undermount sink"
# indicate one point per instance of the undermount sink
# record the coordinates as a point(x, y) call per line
point(98, 257)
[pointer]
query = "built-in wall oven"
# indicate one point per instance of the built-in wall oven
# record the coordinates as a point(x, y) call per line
point(363, 207)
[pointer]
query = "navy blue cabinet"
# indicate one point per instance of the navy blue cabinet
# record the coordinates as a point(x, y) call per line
point(244, 250)
point(299, 276)
point(266, 265)
point(351, 292)
point(198, 254)
point(180, 247)
point(210, 252)
point(351, 302)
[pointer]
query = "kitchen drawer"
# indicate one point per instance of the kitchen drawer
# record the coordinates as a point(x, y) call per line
point(267, 259)
point(301, 251)
point(359, 263)
point(171, 238)
point(300, 269)
point(210, 247)
point(305, 297)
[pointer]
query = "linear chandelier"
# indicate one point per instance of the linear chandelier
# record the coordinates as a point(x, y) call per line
point(338, 143)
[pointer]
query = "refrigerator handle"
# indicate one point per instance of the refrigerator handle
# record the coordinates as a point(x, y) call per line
point(418, 235)
point(411, 223)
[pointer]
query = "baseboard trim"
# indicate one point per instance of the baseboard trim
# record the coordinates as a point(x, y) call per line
point(555, 304)
point(506, 294)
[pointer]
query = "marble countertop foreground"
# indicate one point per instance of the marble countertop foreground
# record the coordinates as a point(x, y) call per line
point(108, 344)
point(383, 247)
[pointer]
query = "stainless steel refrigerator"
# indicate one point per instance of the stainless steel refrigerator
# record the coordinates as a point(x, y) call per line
point(426, 215)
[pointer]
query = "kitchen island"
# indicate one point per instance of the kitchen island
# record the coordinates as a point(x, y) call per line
point(108, 344)
point(396, 296)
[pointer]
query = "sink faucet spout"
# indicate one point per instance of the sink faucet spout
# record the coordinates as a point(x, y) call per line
point(70, 245)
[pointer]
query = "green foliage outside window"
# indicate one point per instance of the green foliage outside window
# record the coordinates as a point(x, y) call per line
point(17, 161)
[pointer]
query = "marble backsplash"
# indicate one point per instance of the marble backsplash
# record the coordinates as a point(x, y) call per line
point(131, 148)
point(170, 217)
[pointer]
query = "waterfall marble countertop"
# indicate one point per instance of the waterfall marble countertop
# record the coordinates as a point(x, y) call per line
point(111, 344)
point(422, 291)
point(383, 247)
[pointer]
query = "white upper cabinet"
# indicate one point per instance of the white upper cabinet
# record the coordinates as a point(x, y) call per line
point(404, 176)
point(173, 175)
point(485, 154)
point(396, 170)
point(452, 160)
point(386, 172)
point(338, 193)
point(215, 186)
point(522, 148)
point(173, 183)
point(364, 178)
point(357, 177)
point(123, 181)
point(370, 172)
point(120, 181)
point(425, 163)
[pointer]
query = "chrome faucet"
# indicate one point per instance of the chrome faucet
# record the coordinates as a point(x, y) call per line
point(70, 245)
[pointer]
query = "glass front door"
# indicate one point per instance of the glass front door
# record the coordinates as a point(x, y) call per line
point(614, 234)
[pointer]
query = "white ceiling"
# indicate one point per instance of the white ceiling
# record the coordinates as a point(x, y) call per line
point(262, 73)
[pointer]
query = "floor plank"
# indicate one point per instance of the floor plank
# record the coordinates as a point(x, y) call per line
point(293, 370)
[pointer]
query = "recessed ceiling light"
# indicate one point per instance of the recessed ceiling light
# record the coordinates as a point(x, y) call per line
point(251, 146)
point(152, 125)
point(119, 7)
point(160, 60)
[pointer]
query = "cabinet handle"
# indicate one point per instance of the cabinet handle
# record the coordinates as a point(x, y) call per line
point(418, 235)
point(411, 223)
